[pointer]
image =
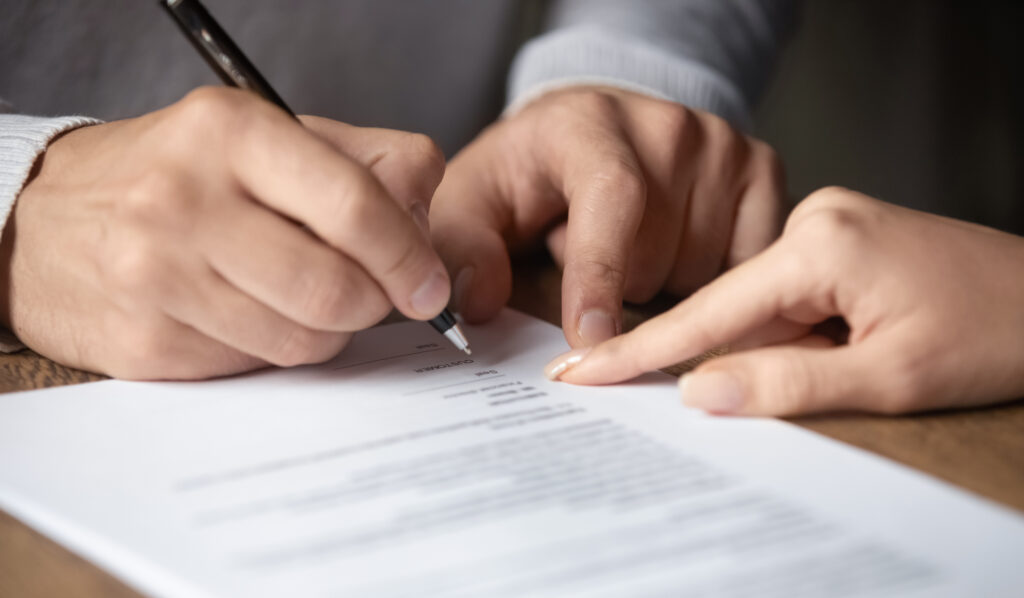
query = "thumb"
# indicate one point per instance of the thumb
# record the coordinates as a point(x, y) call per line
point(808, 376)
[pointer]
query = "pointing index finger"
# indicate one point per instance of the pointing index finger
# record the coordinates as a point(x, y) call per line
point(604, 185)
point(739, 301)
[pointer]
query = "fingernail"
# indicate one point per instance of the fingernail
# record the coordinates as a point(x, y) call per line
point(596, 326)
point(419, 216)
point(564, 362)
point(432, 296)
point(461, 291)
point(715, 392)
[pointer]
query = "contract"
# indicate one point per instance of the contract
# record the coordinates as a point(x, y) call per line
point(404, 468)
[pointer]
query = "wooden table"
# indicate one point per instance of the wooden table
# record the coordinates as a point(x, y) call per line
point(981, 450)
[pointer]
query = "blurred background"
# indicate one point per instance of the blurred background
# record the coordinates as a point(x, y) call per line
point(918, 102)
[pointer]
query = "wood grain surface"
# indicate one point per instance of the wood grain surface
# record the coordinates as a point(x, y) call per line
point(981, 450)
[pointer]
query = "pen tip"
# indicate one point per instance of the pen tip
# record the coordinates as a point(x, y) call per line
point(454, 334)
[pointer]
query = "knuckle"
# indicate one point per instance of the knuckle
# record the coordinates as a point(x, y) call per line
point(675, 121)
point(424, 161)
point(158, 196)
point(599, 270)
point(210, 107)
point(621, 180)
point(209, 119)
point(592, 102)
point(135, 269)
point(716, 128)
point(576, 106)
point(424, 151)
point(831, 223)
point(831, 197)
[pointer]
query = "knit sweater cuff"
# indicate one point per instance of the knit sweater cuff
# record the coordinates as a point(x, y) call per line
point(22, 140)
point(588, 55)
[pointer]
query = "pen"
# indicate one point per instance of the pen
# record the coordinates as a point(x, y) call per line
point(228, 61)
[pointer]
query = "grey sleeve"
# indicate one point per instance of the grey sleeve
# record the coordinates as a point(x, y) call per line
point(715, 55)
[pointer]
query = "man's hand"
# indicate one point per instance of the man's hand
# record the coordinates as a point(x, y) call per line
point(633, 195)
point(219, 235)
point(935, 309)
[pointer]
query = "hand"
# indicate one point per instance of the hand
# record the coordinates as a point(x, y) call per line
point(935, 309)
point(633, 194)
point(219, 235)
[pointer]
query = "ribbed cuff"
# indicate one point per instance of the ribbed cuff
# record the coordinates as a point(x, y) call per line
point(595, 56)
point(22, 140)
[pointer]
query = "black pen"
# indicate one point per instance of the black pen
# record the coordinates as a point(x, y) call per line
point(224, 57)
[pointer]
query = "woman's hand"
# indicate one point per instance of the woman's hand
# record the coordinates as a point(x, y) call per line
point(935, 309)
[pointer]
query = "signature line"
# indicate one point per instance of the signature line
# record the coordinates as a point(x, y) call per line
point(352, 365)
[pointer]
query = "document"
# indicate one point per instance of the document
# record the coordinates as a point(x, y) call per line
point(404, 468)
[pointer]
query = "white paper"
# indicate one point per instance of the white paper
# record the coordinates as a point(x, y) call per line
point(405, 468)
